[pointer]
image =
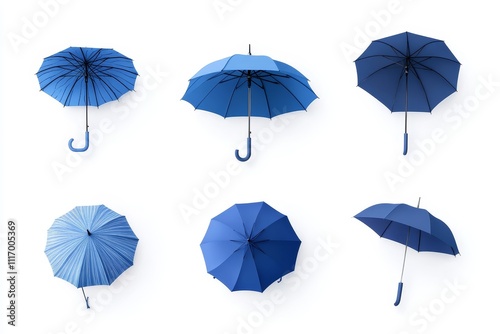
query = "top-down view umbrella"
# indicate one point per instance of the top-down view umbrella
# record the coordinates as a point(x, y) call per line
point(249, 246)
point(80, 76)
point(267, 87)
point(411, 226)
point(90, 245)
point(408, 72)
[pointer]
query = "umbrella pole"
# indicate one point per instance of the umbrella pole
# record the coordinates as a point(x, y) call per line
point(86, 298)
point(404, 258)
point(405, 149)
point(400, 285)
point(70, 143)
point(249, 107)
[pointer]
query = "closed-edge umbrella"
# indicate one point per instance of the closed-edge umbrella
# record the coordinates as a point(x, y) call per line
point(90, 245)
point(249, 246)
point(81, 76)
point(267, 87)
point(411, 226)
point(408, 72)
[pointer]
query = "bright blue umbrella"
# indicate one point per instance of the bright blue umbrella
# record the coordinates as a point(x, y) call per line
point(408, 72)
point(267, 87)
point(249, 246)
point(81, 76)
point(90, 245)
point(411, 226)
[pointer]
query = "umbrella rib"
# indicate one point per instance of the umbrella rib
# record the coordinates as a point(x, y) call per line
point(103, 71)
point(68, 256)
point(215, 86)
point(300, 82)
point(239, 83)
point(390, 223)
point(425, 45)
point(303, 107)
point(419, 239)
point(102, 263)
point(69, 94)
point(97, 76)
point(416, 74)
point(392, 47)
point(402, 74)
point(265, 93)
point(432, 70)
point(383, 67)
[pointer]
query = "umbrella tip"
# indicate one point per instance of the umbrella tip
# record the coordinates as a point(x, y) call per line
point(88, 232)
point(249, 50)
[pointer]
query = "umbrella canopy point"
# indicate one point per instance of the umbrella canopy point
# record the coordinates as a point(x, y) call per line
point(250, 246)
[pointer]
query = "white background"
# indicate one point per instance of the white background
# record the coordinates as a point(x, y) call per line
point(169, 169)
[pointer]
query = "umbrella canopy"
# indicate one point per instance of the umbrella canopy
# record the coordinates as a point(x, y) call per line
point(408, 72)
point(90, 245)
point(80, 76)
point(267, 87)
point(249, 246)
point(411, 226)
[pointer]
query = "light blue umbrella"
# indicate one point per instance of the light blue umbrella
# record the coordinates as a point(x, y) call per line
point(249, 246)
point(90, 245)
point(79, 76)
point(267, 87)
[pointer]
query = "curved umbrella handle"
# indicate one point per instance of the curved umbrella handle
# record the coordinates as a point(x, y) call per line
point(83, 149)
point(249, 151)
point(400, 291)
point(405, 148)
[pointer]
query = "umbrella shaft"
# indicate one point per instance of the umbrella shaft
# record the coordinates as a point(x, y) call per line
point(249, 104)
point(86, 99)
point(406, 103)
point(406, 249)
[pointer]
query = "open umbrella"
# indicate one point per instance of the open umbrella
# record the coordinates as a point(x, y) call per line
point(90, 245)
point(80, 76)
point(408, 72)
point(268, 87)
point(249, 246)
point(411, 226)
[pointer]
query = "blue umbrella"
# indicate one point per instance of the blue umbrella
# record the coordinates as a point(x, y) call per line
point(408, 72)
point(90, 245)
point(81, 76)
point(411, 226)
point(249, 246)
point(268, 87)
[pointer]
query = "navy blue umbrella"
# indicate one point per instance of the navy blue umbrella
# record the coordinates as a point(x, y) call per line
point(81, 76)
point(267, 87)
point(249, 246)
point(411, 226)
point(408, 72)
point(90, 245)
